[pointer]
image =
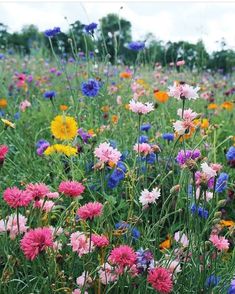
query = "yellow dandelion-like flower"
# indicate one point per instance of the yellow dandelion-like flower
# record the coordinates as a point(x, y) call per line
point(64, 127)
point(62, 149)
point(8, 123)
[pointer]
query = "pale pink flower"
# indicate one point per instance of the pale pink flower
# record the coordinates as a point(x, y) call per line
point(57, 245)
point(221, 243)
point(78, 291)
point(144, 148)
point(147, 197)
point(189, 114)
point(119, 100)
point(80, 243)
point(107, 274)
point(183, 91)
point(140, 108)
point(209, 195)
point(10, 225)
point(208, 171)
point(52, 195)
point(81, 280)
point(181, 238)
point(180, 63)
point(107, 153)
point(216, 167)
point(174, 266)
point(24, 104)
point(44, 205)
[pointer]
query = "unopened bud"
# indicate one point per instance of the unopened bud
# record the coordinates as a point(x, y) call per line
point(175, 189)
point(70, 40)
point(216, 221)
point(218, 214)
point(222, 203)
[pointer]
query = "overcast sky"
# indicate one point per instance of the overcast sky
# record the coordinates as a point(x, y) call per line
point(167, 21)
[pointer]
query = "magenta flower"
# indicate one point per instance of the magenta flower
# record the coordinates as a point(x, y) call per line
point(90, 210)
point(15, 197)
point(71, 188)
point(161, 280)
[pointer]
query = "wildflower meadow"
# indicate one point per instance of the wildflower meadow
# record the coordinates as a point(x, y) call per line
point(115, 177)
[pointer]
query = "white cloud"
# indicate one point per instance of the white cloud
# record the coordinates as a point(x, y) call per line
point(168, 21)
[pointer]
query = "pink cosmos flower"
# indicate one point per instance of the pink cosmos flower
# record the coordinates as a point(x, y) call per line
point(123, 256)
point(3, 152)
point(71, 188)
point(161, 280)
point(183, 91)
point(107, 153)
point(24, 104)
point(221, 243)
point(147, 197)
point(107, 274)
point(144, 148)
point(80, 243)
point(181, 238)
point(37, 190)
point(90, 210)
point(100, 240)
point(10, 225)
point(36, 241)
point(15, 197)
point(140, 108)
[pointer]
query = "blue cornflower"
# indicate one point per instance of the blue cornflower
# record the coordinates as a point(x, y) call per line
point(41, 142)
point(113, 143)
point(230, 155)
point(136, 46)
point(151, 158)
point(90, 27)
point(134, 231)
point(221, 183)
point(71, 60)
point(117, 175)
point(212, 281)
point(200, 211)
point(49, 94)
point(168, 136)
point(2, 113)
point(144, 258)
point(52, 32)
point(90, 88)
point(231, 289)
point(143, 139)
point(145, 127)
point(2, 56)
point(16, 115)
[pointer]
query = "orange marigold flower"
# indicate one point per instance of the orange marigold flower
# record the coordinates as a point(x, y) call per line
point(161, 96)
point(166, 244)
point(3, 103)
point(63, 107)
point(204, 123)
point(227, 105)
point(212, 106)
point(227, 223)
point(125, 75)
point(114, 119)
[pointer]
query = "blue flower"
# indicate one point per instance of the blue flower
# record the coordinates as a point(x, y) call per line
point(117, 175)
point(136, 46)
point(230, 155)
point(16, 115)
point(144, 258)
point(212, 281)
point(90, 88)
point(145, 127)
point(151, 158)
point(113, 143)
point(168, 136)
point(133, 230)
point(52, 32)
point(221, 183)
point(90, 27)
point(49, 94)
point(2, 113)
point(200, 211)
point(41, 142)
point(143, 139)
point(2, 56)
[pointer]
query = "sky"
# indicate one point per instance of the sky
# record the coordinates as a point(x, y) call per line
point(174, 21)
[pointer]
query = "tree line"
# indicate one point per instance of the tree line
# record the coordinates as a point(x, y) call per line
point(110, 42)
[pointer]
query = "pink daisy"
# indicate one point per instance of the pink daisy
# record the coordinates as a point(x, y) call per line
point(15, 197)
point(100, 240)
point(221, 243)
point(36, 241)
point(71, 188)
point(160, 279)
point(123, 256)
point(90, 210)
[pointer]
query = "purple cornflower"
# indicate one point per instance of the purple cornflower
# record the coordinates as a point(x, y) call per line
point(136, 46)
point(183, 156)
point(52, 32)
point(84, 135)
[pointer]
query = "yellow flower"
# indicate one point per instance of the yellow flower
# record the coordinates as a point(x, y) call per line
point(227, 105)
point(127, 106)
point(105, 108)
point(64, 127)
point(204, 123)
point(114, 119)
point(7, 123)
point(3, 103)
point(91, 132)
point(62, 149)
point(227, 223)
point(63, 107)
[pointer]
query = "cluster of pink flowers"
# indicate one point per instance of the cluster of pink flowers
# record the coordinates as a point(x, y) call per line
point(143, 148)
point(71, 188)
point(81, 243)
point(99, 240)
point(161, 280)
point(123, 256)
point(24, 104)
point(10, 225)
point(141, 108)
point(183, 91)
point(90, 210)
point(3, 152)
point(106, 153)
point(15, 197)
point(181, 126)
point(220, 243)
point(148, 197)
point(207, 175)
point(36, 241)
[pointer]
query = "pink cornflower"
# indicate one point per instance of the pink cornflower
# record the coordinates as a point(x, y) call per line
point(81, 280)
point(44, 205)
point(183, 91)
point(216, 167)
point(188, 114)
point(107, 153)
point(180, 63)
point(181, 126)
point(107, 274)
point(3, 152)
point(147, 197)
point(123, 256)
point(11, 225)
point(36, 241)
point(100, 240)
point(209, 171)
point(37, 190)
point(78, 291)
point(24, 104)
point(80, 243)
point(161, 280)
point(90, 210)
point(71, 188)
point(140, 108)
point(181, 238)
point(52, 195)
point(144, 148)
point(15, 197)
point(221, 243)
